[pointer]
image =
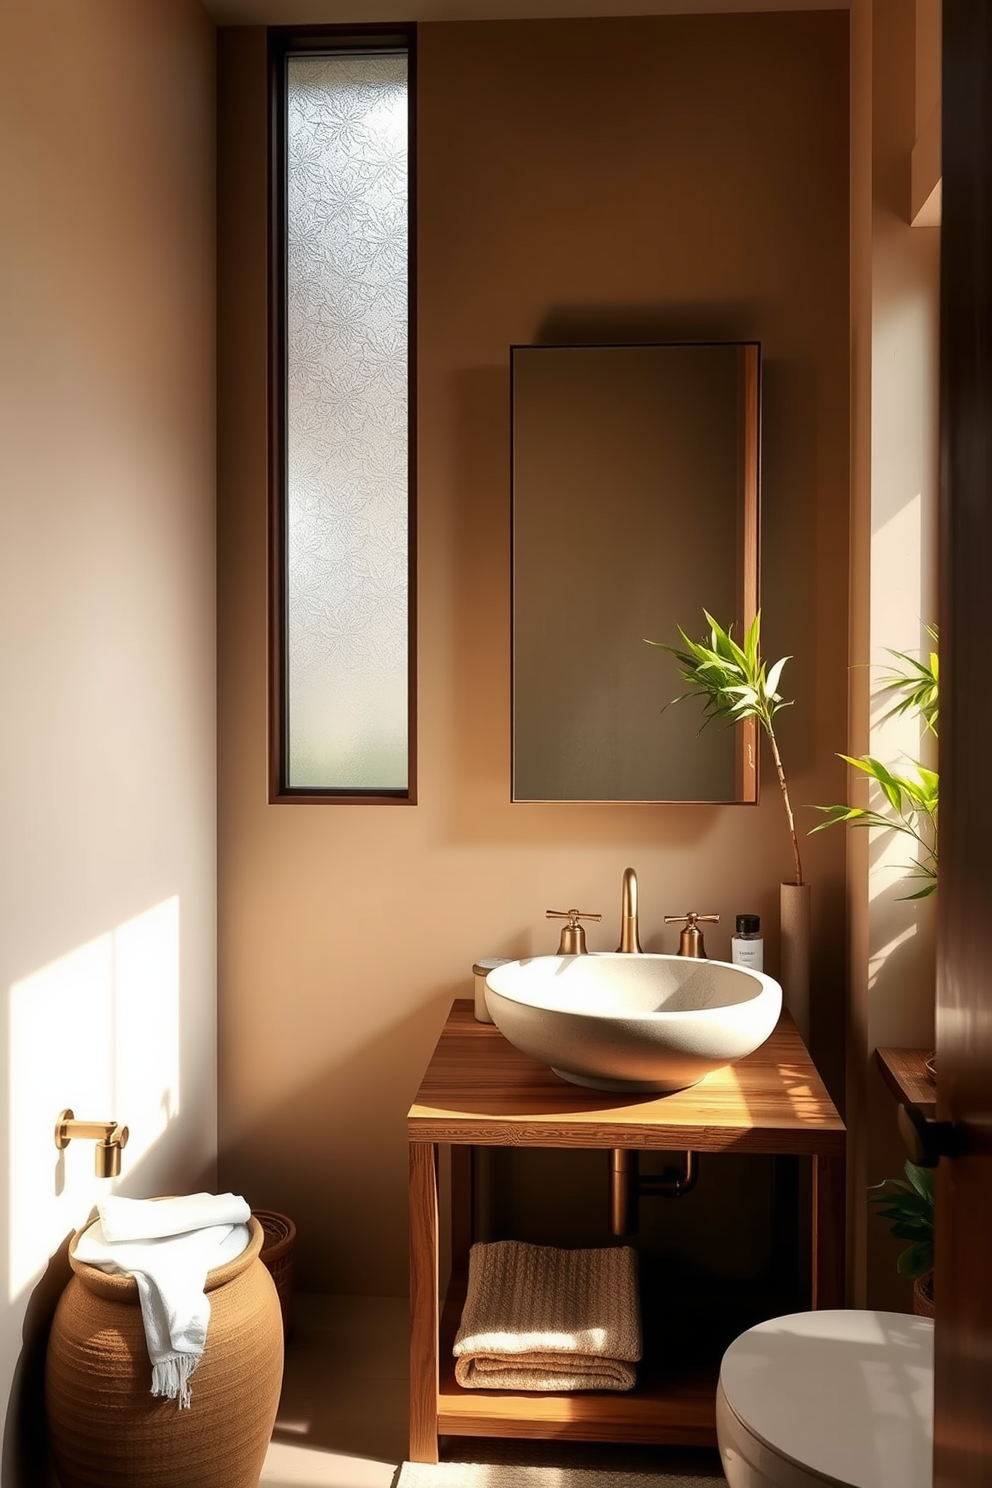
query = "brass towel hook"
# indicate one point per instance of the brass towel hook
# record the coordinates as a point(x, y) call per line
point(110, 1137)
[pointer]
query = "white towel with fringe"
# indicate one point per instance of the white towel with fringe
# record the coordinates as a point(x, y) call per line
point(540, 1318)
point(170, 1273)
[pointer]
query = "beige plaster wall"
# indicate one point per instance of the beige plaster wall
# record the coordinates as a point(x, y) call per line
point(650, 177)
point(107, 593)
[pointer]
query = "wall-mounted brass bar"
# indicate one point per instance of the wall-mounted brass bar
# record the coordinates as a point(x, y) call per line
point(110, 1137)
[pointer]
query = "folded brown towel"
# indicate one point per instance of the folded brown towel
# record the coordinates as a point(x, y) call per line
point(539, 1318)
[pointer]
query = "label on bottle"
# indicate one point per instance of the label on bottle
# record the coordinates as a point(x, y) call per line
point(748, 950)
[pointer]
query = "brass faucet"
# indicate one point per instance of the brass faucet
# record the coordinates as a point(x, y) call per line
point(629, 941)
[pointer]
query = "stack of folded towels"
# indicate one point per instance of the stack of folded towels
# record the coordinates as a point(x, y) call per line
point(168, 1246)
point(539, 1318)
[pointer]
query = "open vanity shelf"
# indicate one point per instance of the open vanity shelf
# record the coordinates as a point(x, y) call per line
point(479, 1090)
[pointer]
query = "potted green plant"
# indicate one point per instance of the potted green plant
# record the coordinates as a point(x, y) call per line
point(908, 1205)
point(734, 683)
point(910, 796)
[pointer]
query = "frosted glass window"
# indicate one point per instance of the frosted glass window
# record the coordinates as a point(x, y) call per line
point(346, 540)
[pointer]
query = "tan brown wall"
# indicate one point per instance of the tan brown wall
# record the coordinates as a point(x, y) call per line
point(107, 621)
point(668, 177)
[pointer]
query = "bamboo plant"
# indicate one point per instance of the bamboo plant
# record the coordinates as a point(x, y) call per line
point(911, 797)
point(734, 683)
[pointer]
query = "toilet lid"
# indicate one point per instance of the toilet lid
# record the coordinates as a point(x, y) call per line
point(846, 1393)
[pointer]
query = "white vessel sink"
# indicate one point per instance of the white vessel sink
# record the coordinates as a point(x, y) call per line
point(632, 1022)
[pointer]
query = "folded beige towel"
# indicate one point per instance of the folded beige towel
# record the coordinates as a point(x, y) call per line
point(538, 1318)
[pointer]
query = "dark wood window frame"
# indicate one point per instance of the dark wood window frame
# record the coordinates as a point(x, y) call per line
point(282, 43)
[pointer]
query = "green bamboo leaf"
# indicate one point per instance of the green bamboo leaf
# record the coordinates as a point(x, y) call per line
point(923, 893)
point(733, 683)
point(912, 797)
point(835, 814)
point(774, 676)
point(751, 640)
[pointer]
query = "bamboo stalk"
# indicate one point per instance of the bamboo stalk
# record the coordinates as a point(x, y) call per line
point(785, 798)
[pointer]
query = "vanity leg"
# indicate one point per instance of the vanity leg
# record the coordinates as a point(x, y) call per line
point(462, 1203)
point(829, 1231)
point(423, 1302)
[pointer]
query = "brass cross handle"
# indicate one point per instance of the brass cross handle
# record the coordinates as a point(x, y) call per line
point(573, 937)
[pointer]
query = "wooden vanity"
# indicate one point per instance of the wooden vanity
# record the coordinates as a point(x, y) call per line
point(480, 1091)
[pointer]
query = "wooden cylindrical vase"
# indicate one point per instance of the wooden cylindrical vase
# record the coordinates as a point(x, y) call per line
point(108, 1431)
point(794, 906)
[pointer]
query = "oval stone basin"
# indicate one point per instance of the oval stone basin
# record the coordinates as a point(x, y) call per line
point(632, 1022)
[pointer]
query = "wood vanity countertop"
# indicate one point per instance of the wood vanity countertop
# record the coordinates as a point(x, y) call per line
point(479, 1089)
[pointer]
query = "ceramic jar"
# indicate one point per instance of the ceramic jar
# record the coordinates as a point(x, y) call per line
point(106, 1428)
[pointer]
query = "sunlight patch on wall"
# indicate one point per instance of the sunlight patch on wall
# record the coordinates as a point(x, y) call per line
point(897, 597)
point(97, 1031)
point(878, 958)
point(898, 616)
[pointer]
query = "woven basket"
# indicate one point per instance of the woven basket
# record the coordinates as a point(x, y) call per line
point(108, 1431)
point(277, 1255)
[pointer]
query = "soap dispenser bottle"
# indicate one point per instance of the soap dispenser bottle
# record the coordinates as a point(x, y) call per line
point(746, 944)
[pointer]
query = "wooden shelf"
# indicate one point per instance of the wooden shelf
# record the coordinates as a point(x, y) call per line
point(675, 1406)
point(680, 1411)
point(906, 1074)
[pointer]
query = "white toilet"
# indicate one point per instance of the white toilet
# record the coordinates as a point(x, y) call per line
point(832, 1399)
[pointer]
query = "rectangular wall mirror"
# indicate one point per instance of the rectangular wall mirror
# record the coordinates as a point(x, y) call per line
point(635, 506)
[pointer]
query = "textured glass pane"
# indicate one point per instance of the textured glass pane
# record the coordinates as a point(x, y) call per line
point(346, 326)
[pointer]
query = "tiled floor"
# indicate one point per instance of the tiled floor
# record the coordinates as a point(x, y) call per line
point(342, 1422)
